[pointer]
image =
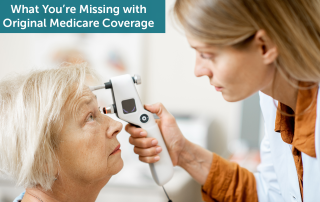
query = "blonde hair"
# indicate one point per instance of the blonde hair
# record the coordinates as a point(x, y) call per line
point(293, 25)
point(31, 119)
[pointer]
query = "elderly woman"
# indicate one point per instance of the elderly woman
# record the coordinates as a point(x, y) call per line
point(53, 139)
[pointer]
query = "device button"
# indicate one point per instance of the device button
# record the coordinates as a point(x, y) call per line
point(144, 118)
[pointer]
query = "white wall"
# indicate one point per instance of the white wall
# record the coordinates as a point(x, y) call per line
point(14, 53)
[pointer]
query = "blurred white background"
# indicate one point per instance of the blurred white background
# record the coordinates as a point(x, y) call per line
point(165, 62)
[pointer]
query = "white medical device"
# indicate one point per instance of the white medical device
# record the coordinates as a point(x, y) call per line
point(128, 107)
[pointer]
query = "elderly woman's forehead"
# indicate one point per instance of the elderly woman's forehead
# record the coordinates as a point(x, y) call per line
point(86, 95)
point(78, 101)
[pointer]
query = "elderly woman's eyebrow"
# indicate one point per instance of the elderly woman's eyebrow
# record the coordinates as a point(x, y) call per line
point(78, 109)
point(85, 100)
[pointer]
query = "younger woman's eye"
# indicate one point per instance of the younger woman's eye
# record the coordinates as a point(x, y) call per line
point(90, 118)
point(205, 56)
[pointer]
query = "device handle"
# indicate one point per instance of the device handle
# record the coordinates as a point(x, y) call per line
point(162, 171)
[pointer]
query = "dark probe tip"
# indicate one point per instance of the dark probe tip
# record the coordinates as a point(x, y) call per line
point(108, 85)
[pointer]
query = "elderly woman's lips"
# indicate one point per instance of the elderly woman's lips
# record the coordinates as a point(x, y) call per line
point(116, 150)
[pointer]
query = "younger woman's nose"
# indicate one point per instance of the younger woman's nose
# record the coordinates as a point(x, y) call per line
point(202, 68)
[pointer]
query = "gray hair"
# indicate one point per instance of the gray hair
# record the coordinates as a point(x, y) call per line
point(31, 118)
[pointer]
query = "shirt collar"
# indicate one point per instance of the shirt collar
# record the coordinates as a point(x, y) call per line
point(299, 130)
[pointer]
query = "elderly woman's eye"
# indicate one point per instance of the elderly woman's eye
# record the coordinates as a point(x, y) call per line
point(90, 118)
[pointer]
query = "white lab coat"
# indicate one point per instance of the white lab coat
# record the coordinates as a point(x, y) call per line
point(277, 178)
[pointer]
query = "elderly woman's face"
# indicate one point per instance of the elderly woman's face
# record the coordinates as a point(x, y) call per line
point(88, 142)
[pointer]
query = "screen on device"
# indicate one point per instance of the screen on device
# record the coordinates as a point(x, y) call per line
point(129, 106)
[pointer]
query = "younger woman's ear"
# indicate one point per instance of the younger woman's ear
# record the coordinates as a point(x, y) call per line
point(267, 47)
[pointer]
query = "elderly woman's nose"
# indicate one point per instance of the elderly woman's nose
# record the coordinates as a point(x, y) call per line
point(114, 128)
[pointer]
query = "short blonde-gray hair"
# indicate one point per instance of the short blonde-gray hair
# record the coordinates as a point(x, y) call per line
point(30, 119)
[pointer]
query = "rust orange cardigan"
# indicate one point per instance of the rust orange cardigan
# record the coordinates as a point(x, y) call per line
point(227, 181)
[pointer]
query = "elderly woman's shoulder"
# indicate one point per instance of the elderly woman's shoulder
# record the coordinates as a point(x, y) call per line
point(19, 198)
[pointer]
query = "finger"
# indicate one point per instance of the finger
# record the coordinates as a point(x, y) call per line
point(147, 152)
point(135, 132)
point(143, 142)
point(151, 159)
point(158, 109)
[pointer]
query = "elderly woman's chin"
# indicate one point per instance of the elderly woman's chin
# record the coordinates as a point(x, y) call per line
point(105, 172)
point(118, 163)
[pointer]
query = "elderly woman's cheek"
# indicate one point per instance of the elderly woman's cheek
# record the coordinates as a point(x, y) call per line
point(110, 165)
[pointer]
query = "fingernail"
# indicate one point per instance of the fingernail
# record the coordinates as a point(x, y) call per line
point(147, 105)
point(154, 142)
point(157, 158)
point(159, 149)
point(143, 134)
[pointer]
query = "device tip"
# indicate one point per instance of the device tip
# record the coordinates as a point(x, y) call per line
point(93, 88)
point(108, 110)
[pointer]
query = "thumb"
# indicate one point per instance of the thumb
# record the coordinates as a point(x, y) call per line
point(158, 109)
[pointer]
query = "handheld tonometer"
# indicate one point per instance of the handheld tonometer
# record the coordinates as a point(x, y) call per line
point(128, 107)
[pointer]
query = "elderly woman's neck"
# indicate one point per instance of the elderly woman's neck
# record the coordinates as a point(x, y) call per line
point(66, 191)
point(283, 90)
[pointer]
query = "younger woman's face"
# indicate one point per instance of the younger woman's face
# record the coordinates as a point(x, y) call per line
point(87, 143)
point(236, 73)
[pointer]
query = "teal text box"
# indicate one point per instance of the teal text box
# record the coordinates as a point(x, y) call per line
point(95, 16)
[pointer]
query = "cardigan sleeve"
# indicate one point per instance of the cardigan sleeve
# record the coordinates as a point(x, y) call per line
point(227, 181)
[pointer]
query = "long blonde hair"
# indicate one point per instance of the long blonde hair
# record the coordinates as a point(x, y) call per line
point(293, 25)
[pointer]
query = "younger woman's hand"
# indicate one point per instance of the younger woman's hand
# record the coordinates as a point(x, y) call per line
point(147, 148)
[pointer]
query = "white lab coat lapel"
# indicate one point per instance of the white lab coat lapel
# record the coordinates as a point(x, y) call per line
point(281, 154)
point(317, 132)
point(285, 168)
point(311, 166)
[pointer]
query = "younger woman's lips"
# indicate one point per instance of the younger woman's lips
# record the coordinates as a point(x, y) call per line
point(116, 150)
point(218, 88)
